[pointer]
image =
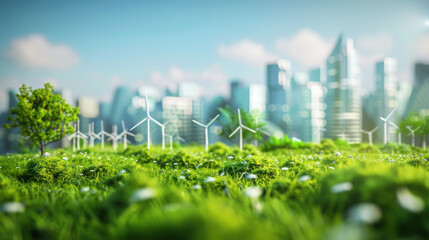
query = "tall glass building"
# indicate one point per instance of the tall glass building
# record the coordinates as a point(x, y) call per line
point(279, 76)
point(248, 96)
point(343, 100)
point(419, 99)
point(385, 95)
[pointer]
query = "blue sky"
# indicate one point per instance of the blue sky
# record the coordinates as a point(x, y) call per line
point(93, 46)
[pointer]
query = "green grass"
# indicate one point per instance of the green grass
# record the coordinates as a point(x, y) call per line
point(84, 197)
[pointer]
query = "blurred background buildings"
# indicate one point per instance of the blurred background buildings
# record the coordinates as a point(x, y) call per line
point(298, 104)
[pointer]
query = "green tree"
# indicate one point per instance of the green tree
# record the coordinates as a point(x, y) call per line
point(229, 122)
point(42, 115)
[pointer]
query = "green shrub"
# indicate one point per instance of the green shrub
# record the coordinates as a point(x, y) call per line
point(45, 169)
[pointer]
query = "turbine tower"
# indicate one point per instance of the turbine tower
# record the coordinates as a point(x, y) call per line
point(92, 136)
point(206, 130)
point(369, 134)
point(148, 118)
point(240, 128)
point(77, 135)
point(170, 137)
point(124, 134)
point(102, 133)
point(413, 140)
point(115, 137)
point(385, 124)
point(397, 128)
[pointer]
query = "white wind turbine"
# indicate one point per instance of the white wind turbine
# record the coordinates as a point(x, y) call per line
point(76, 136)
point(413, 140)
point(92, 136)
point(171, 139)
point(103, 133)
point(163, 133)
point(206, 130)
point(385, 124)
point(240, 127)
point(397, 128)
point(115, 137)
point(369, 134)
point(424, 136)
point(148, 118)
point(124, 134)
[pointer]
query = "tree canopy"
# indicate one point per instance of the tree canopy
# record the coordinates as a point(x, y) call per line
point(42, 115)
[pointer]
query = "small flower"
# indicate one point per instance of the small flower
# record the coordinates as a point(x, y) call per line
point(338, 154)
point(251, 176)
point(253, 192)
point(196, 187)
point(365, 213)
point(332, 168)
point(142, 195)
point(121, 172)
point(342, 187)
point(285, 168)
point(12, 207)
point(92, 170)
point(222, 174)
point(84, 189)
point(304, 178)
point(175, 164)
point(409, 201)
point(209, 179)
point(64, 158)
point(46, 154)
point(181, 177)
point(230, 157)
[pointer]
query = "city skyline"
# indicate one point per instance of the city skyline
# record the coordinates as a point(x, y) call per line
point(92, 52)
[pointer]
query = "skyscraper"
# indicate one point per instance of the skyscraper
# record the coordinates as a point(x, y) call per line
point(419, 99)
point(385, 95)
point(343, 100)
point(279, 76)
point(248, 96)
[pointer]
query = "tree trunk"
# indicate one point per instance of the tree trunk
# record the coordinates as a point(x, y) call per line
point(42, 148)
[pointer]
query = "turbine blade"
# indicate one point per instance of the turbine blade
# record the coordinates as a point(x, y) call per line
point(383, 119)
point(375, 129)
point(232, 134)
point(263, 132)
point(409, 128)
point(146, 103)
point(139, 123)
point(390, 114)
point(417, 129)
point(248, 129)
point(123, 125)
point(130, 134)
point(394, 125)
point(239, 117)
point(159, 124)
point(202, 125)
point(214, 119)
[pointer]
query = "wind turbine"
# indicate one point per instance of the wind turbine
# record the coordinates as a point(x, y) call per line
point(397, 128)
point(424, 136)
point(369, 134)
point(148, 118)
point(77, 135)
point(412, 134)
point(171, 140)
point(240, 127)
point(163, 133)
point(385, 124)
point(115, 137)
point(206, 129)
point(92, 136)
point(124, 134)
point(102, 133)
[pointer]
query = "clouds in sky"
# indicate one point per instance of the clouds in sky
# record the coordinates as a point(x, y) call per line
point(213, 79)
point(373, 48)
point(422, 48)
point(36, 52)
point(306, 47)
point(248, 52)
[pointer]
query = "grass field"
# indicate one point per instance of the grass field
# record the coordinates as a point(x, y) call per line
point(316, 192)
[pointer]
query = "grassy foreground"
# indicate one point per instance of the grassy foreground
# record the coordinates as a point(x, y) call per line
point(312, 193)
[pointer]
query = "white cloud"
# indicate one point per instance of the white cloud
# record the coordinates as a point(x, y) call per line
point(35, 51)
point(248, 52)
point(307, 47)
point(212, 79)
